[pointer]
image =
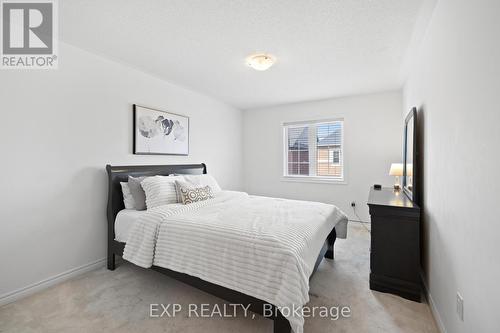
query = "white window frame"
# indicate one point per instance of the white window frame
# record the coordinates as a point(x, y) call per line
point(312, 177)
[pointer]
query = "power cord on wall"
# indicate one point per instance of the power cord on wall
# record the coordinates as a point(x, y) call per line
point(359, 220)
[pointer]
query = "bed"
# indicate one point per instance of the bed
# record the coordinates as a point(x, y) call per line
point(252, 248)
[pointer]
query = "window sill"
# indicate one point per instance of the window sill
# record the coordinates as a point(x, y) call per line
point(314, 179)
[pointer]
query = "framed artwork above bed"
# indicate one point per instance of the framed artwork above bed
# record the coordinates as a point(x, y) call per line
point(159, 132)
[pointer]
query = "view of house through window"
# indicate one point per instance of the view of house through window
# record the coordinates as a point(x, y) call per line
point(298, 150)
point(314, 149)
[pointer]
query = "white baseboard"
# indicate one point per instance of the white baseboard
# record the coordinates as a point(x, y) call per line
point(49, 282)
point(434, 310)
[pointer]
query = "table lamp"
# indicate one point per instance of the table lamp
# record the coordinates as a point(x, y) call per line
point(397, 171)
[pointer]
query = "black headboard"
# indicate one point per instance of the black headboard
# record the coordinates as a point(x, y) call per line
point(117, 174)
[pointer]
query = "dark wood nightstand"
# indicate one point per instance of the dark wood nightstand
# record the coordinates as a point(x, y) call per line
point(395, 244)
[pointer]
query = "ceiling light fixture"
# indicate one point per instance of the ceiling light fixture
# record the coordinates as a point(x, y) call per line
point(261, 61)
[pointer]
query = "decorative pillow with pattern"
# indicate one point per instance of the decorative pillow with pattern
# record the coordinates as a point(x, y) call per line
point(194, 194)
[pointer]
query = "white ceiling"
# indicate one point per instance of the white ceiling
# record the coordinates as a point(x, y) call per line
point(325, 48)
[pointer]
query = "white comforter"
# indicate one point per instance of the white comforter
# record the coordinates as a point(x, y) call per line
point(263, 247)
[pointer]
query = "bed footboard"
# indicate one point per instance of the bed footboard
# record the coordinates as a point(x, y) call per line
point(331, 242)
point(281, 324)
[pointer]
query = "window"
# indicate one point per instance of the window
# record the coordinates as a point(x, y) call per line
point(333, 157)
point(314, 149)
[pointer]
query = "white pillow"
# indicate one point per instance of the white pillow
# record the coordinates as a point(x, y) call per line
point(128, 199)
point(202, 181)
point(160, 190)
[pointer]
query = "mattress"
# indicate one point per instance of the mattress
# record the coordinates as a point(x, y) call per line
point(258, 246)
point(124, 221)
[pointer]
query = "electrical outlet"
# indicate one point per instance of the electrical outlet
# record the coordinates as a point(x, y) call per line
point(460, 306)
point(353, 204)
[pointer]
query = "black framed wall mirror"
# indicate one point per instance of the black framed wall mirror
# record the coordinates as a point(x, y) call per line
point(410, 159)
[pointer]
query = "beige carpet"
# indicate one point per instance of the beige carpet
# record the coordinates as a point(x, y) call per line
point(119, 301)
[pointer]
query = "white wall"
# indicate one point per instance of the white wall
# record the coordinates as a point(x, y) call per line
point(58, 130)
point(372, 138)
point(455, 83)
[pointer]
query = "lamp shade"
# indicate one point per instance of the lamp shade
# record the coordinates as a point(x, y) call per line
point(396, 169)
